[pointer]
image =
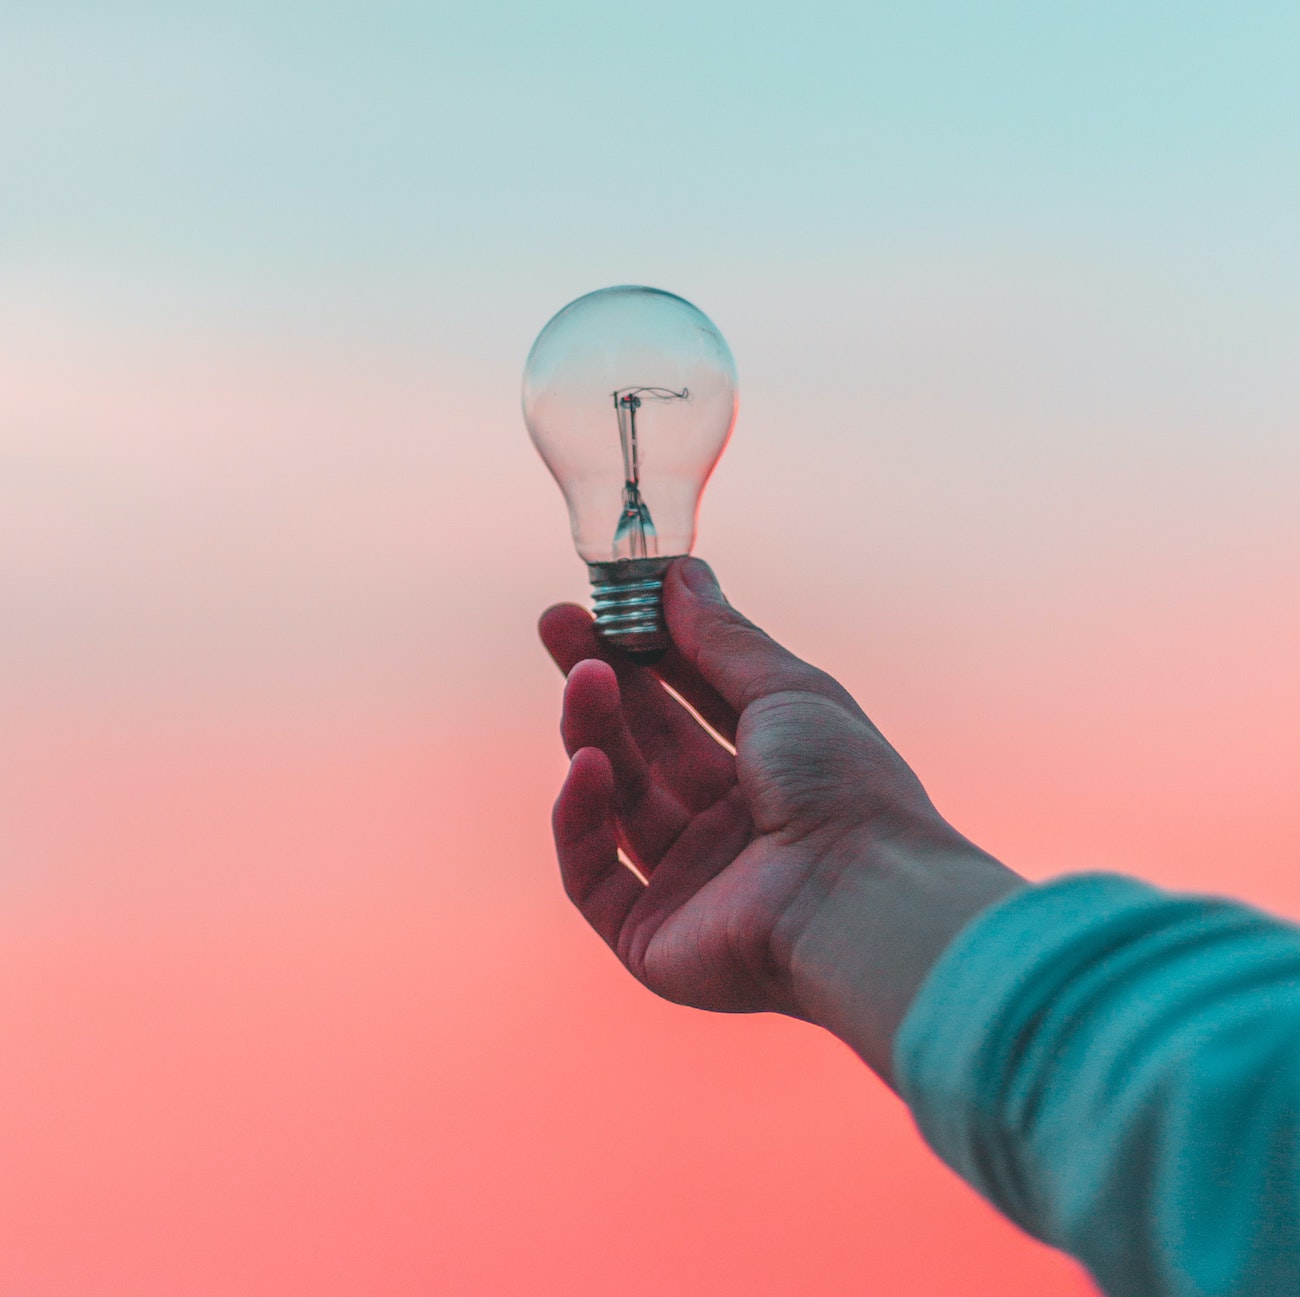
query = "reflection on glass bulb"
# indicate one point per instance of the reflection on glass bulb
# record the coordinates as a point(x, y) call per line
point(631, 474)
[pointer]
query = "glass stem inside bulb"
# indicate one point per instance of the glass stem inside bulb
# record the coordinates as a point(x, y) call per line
point(635, 536)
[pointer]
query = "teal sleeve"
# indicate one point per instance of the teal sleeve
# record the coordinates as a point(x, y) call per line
point(1118, 1070)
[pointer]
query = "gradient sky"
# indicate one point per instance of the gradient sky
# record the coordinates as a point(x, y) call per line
point(291, 1001)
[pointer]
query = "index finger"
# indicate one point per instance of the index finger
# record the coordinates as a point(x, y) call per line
point(668, 736)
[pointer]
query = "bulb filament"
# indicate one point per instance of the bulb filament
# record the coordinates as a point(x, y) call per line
point(635, 534)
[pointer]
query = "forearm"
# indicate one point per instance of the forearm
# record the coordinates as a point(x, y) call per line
point(867, 941)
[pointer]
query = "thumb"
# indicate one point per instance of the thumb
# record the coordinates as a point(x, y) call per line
point(740, 661)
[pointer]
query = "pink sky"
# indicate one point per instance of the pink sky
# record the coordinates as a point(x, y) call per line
point(291, 998)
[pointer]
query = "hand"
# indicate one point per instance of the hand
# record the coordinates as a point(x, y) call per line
point(755, 863)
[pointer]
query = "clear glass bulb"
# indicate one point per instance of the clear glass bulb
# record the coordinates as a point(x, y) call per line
point(630, 397)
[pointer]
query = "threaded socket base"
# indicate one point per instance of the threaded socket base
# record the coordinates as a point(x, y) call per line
point(627, 598)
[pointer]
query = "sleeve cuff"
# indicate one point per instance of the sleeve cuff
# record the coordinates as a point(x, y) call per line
point(976, 1011)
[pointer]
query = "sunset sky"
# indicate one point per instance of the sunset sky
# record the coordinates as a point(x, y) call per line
point(291, 1001)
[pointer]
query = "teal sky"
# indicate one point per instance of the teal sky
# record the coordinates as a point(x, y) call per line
point(246, 158)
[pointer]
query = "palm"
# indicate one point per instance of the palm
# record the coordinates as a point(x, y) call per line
point(724, 841)
point(709, 948)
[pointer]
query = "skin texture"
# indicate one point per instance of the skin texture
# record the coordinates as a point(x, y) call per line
point(808, 873)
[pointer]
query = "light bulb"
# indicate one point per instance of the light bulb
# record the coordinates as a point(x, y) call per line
point(630, 397)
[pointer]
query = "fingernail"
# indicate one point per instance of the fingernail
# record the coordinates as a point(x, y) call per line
point(700, 580)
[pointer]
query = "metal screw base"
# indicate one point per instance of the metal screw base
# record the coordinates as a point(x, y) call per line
point(627, 598)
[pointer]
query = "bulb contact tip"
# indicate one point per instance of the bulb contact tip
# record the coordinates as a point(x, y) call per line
point(627, 598)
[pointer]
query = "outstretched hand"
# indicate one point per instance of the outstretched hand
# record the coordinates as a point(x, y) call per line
point(752, 860)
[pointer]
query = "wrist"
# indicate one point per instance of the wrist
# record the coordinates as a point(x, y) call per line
point(886, 908)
